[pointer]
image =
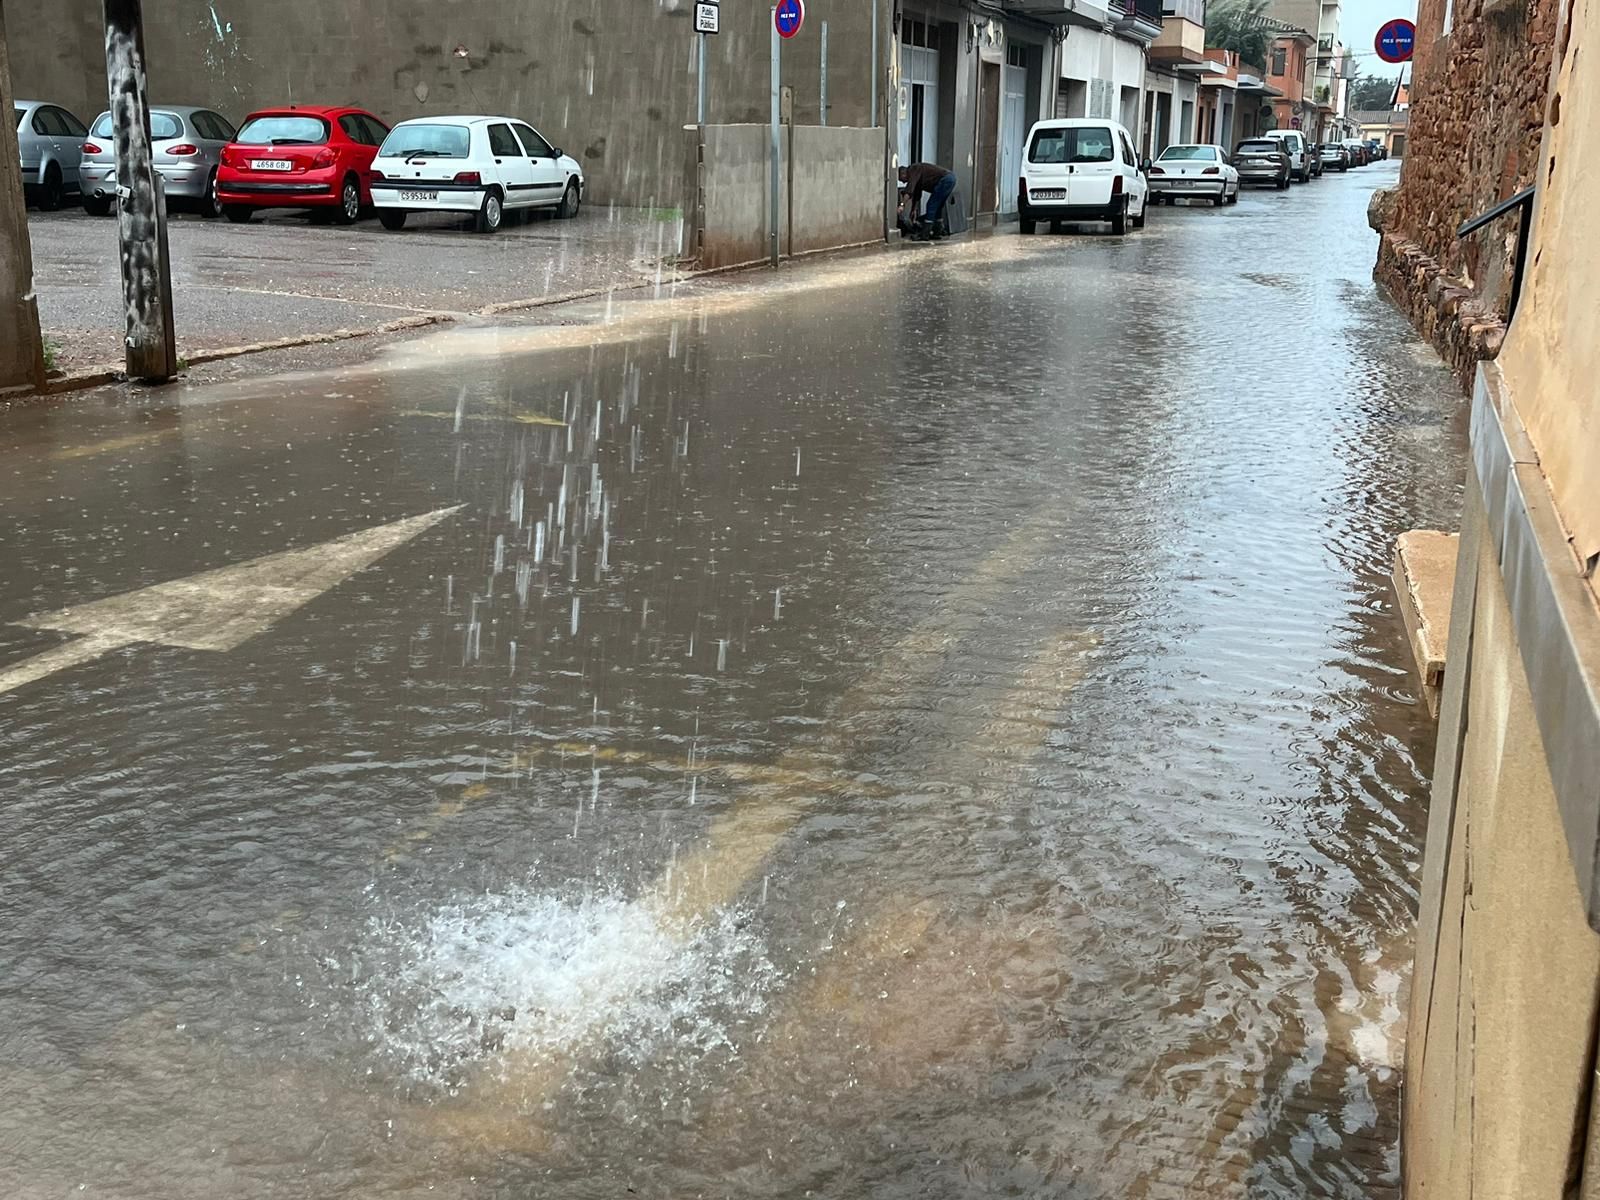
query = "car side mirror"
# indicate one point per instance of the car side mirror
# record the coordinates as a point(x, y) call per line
point(1144, 166)
point(556, 151)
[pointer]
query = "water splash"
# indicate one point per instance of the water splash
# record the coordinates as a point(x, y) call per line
point(498, 983)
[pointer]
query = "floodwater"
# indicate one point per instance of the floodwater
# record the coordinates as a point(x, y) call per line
point(931, 725)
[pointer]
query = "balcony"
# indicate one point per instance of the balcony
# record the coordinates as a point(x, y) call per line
point(1139, 19)
point(1093, 14)
point(1183, 33)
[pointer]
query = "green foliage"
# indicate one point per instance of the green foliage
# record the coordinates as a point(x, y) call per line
point(1372, 93)
point(52, 351)
point(1236, 25)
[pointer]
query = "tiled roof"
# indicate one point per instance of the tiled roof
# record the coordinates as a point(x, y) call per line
point(1380, 116)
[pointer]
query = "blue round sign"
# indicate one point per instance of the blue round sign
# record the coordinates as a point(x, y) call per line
point(788, 17)
point(1396, 40)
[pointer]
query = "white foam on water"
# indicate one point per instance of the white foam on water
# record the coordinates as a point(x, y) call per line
point(527, 975)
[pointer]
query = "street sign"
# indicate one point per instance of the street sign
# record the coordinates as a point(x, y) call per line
point(706, 14)
point(788, 17)
point(1395, 41)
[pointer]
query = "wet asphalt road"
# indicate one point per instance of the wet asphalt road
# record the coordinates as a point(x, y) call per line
point(930, 724)
point(289, 275)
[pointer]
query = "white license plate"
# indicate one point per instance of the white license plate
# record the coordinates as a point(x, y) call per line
point(405, 196)
point(1048, 194)
point(271, 164)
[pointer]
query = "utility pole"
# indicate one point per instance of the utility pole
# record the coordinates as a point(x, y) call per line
point(21, 348)
point(141, 206)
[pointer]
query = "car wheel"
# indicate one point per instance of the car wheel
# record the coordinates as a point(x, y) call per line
point(1233, 197)
point(491, 214)
point(1138, 222)
point(51, 191)
point(349, 201)
point(392, 219)
point(97, 206)
point(1220, 199)
point(1283, 183)
point(1119, 219)
point(238, 213)
point(210, 206)
point(1026, 225)
point(569, 203)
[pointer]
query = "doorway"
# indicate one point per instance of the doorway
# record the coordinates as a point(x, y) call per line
point(988, 198)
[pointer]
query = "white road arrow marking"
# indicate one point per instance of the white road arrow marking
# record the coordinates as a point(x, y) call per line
point(214, 610)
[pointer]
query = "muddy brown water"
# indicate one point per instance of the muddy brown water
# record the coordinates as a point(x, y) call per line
point(931, 725)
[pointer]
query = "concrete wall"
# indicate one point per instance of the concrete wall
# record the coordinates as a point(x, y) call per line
point(610, 81)
point(838, 191)
point(831, 191)
point(1500, 1071)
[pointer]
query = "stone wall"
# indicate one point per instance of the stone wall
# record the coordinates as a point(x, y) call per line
point(1478, 109)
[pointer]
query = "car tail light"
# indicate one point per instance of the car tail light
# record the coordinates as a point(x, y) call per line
point(323, 158)
point(183, 150)
point(1212, 171)
point(227, 159)
point(1022, 186)
point(377, 175)
point(91, 148)
point(1158, 171)
point(468, 177)
point(1116, 185)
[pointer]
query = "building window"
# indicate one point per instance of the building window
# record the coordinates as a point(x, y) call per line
point(1016, 55)
point(1279, 59)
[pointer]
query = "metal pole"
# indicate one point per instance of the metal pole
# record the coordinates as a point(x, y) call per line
point(824, 72)
point(772, 216)
point(700, 77)
point(874, 71)
point(146, 289)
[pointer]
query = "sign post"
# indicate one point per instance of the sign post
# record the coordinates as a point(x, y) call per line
point(824, 101)
point(1396, 40)
point(707, 19)
point(787, 17)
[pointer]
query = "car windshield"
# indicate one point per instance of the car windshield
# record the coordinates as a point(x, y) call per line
point(426, 141)
point(162, 126)
point(1073, 145)
point(283, 129)
point(1188, 154)
point(1258, 147)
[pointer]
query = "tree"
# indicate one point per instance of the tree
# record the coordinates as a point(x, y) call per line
point(1236, 25)
point(1372, 93)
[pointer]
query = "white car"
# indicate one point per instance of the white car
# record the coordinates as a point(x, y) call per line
point(1297, 148)
point(1194, 170)
point(482, 165)
point(1081, 169)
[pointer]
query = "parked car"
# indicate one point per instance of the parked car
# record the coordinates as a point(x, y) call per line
point(472, 165)
point(1334, 157)
point(1194, 170)
point(1081, 169)
point(186, 144)
point(1358, 151)
point(1298, 149)
point(300, 156)
point(1262, 160)
point(1376, 150)
point(51, 141)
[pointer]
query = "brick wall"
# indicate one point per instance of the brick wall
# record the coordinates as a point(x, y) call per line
point(1478, 108)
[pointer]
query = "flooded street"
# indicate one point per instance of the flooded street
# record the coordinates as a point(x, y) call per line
point(928, 724)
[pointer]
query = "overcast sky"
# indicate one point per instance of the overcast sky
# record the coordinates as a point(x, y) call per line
point(1358, 26)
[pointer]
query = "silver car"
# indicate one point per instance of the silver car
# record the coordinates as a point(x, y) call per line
point(51, 140)
point(186, 142)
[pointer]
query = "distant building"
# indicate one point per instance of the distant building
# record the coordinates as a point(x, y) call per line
point(1389, 127)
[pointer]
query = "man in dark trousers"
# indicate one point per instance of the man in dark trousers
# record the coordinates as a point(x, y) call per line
point(936, 183)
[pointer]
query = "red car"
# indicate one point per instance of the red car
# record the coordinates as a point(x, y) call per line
point(300, 156)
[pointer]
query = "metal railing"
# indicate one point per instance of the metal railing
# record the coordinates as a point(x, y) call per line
point(1522, 200)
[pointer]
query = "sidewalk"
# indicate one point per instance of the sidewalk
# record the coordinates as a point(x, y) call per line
point(284, 281)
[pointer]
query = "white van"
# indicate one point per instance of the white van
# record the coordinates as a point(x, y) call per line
point(1298, 150)
point(1081, 169)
